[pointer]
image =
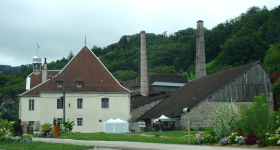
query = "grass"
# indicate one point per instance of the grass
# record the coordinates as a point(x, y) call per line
point(12, 145)
point(172, 137)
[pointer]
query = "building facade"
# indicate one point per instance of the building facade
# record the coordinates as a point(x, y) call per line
point(92, 96)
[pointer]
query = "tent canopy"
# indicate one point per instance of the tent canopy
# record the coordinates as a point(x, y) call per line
point(115, 126)
point(163, 118)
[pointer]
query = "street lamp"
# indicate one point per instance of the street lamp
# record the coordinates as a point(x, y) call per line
point(188, 110)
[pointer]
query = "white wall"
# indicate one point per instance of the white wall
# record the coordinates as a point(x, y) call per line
point(45, 109)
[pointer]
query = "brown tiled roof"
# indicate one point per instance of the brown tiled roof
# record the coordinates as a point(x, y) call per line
point(37, 79)
point(3, 98)
point(195, 92)
point(142, 100)
point(129, 84)
point(275, 77)
point(85, 65)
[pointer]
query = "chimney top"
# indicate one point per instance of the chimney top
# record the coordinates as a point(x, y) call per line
point(137, 79)
point(142, 31)
point(199, 21)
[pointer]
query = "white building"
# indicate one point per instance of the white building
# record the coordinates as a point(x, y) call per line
point(93, 95)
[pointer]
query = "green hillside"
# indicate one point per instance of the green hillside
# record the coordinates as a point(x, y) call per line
point(252, 36)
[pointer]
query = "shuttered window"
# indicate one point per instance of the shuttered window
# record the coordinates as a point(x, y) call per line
point(31, 104)
point(59, 104)
point(105, 102)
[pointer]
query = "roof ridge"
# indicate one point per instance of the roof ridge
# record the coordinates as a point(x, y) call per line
point(69, 63)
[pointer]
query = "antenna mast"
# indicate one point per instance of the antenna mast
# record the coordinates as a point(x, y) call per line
point(37, 48)
point(85, 39)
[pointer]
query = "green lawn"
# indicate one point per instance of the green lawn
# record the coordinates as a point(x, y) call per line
point(172, 137)
point(11, 145)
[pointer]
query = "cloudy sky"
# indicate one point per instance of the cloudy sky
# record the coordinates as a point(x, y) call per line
point(60, 26)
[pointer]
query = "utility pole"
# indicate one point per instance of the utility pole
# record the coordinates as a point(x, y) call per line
point(63, 96)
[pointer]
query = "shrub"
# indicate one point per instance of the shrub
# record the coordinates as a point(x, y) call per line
point(200, 128)
point(241, 141)
point(251, 139)
point(208, 138)
point(67, 127)
point(263, 141)
point(232, 138)
point(27, 136)
point(207, 128)
point(17, 128)
point(45, 127)
point(275, 138)
point(257, 118)
point(225, 119)
point(224, 141)
point(6, 128)
point(46, 133)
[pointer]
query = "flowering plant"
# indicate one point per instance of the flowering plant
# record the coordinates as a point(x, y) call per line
point(208, 138)
point(224, 141)
point(27, 136)
point(22, 126)
point(242, 140)
point(275, 139)
point(232, 138)
point(251, 139)
point(6, 128)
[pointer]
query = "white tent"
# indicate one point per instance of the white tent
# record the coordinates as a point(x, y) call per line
point(109, 126)
point(161, 117)
point(115, 126)
point(121, 126)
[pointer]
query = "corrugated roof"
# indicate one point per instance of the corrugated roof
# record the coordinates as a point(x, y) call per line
point(168, 84)
point(84, 65)
point(195, 92)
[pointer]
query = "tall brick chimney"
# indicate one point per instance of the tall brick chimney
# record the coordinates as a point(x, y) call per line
point(45, 71)
point(144, 75)
point(200, 69)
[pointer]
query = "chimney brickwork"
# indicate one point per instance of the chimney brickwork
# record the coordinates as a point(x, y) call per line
point(144, 75)
point(200, 70)
point(44, 71)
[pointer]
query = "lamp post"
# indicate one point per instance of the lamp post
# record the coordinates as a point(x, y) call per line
point(189, 128)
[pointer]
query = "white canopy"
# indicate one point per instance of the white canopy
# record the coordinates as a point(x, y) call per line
point(115, 126)
point(162, 117)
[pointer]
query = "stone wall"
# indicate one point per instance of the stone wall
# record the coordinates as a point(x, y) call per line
point(138, 111)
point(201, 116)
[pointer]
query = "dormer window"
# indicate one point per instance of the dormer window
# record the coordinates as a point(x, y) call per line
point(79, 84)
point(59, 84)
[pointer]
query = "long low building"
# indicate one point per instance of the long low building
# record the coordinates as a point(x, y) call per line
point(202, 95)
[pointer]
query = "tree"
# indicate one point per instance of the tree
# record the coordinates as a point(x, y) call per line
point(125, 75)
point(166, 69)
point(271, 60)
point(275, 89)
point(9, 110)
point(70, 56)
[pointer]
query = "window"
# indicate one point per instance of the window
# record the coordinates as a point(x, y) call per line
point(105, 102)
point(59, 104)
point(59, 84)
point(31, 104)
point(59, 120)
point(80, 103)
point(80, 121)
point(79, 84)
point(31, 123)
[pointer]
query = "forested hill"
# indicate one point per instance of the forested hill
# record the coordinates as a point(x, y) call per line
point(252, 36)
point(235, 42)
